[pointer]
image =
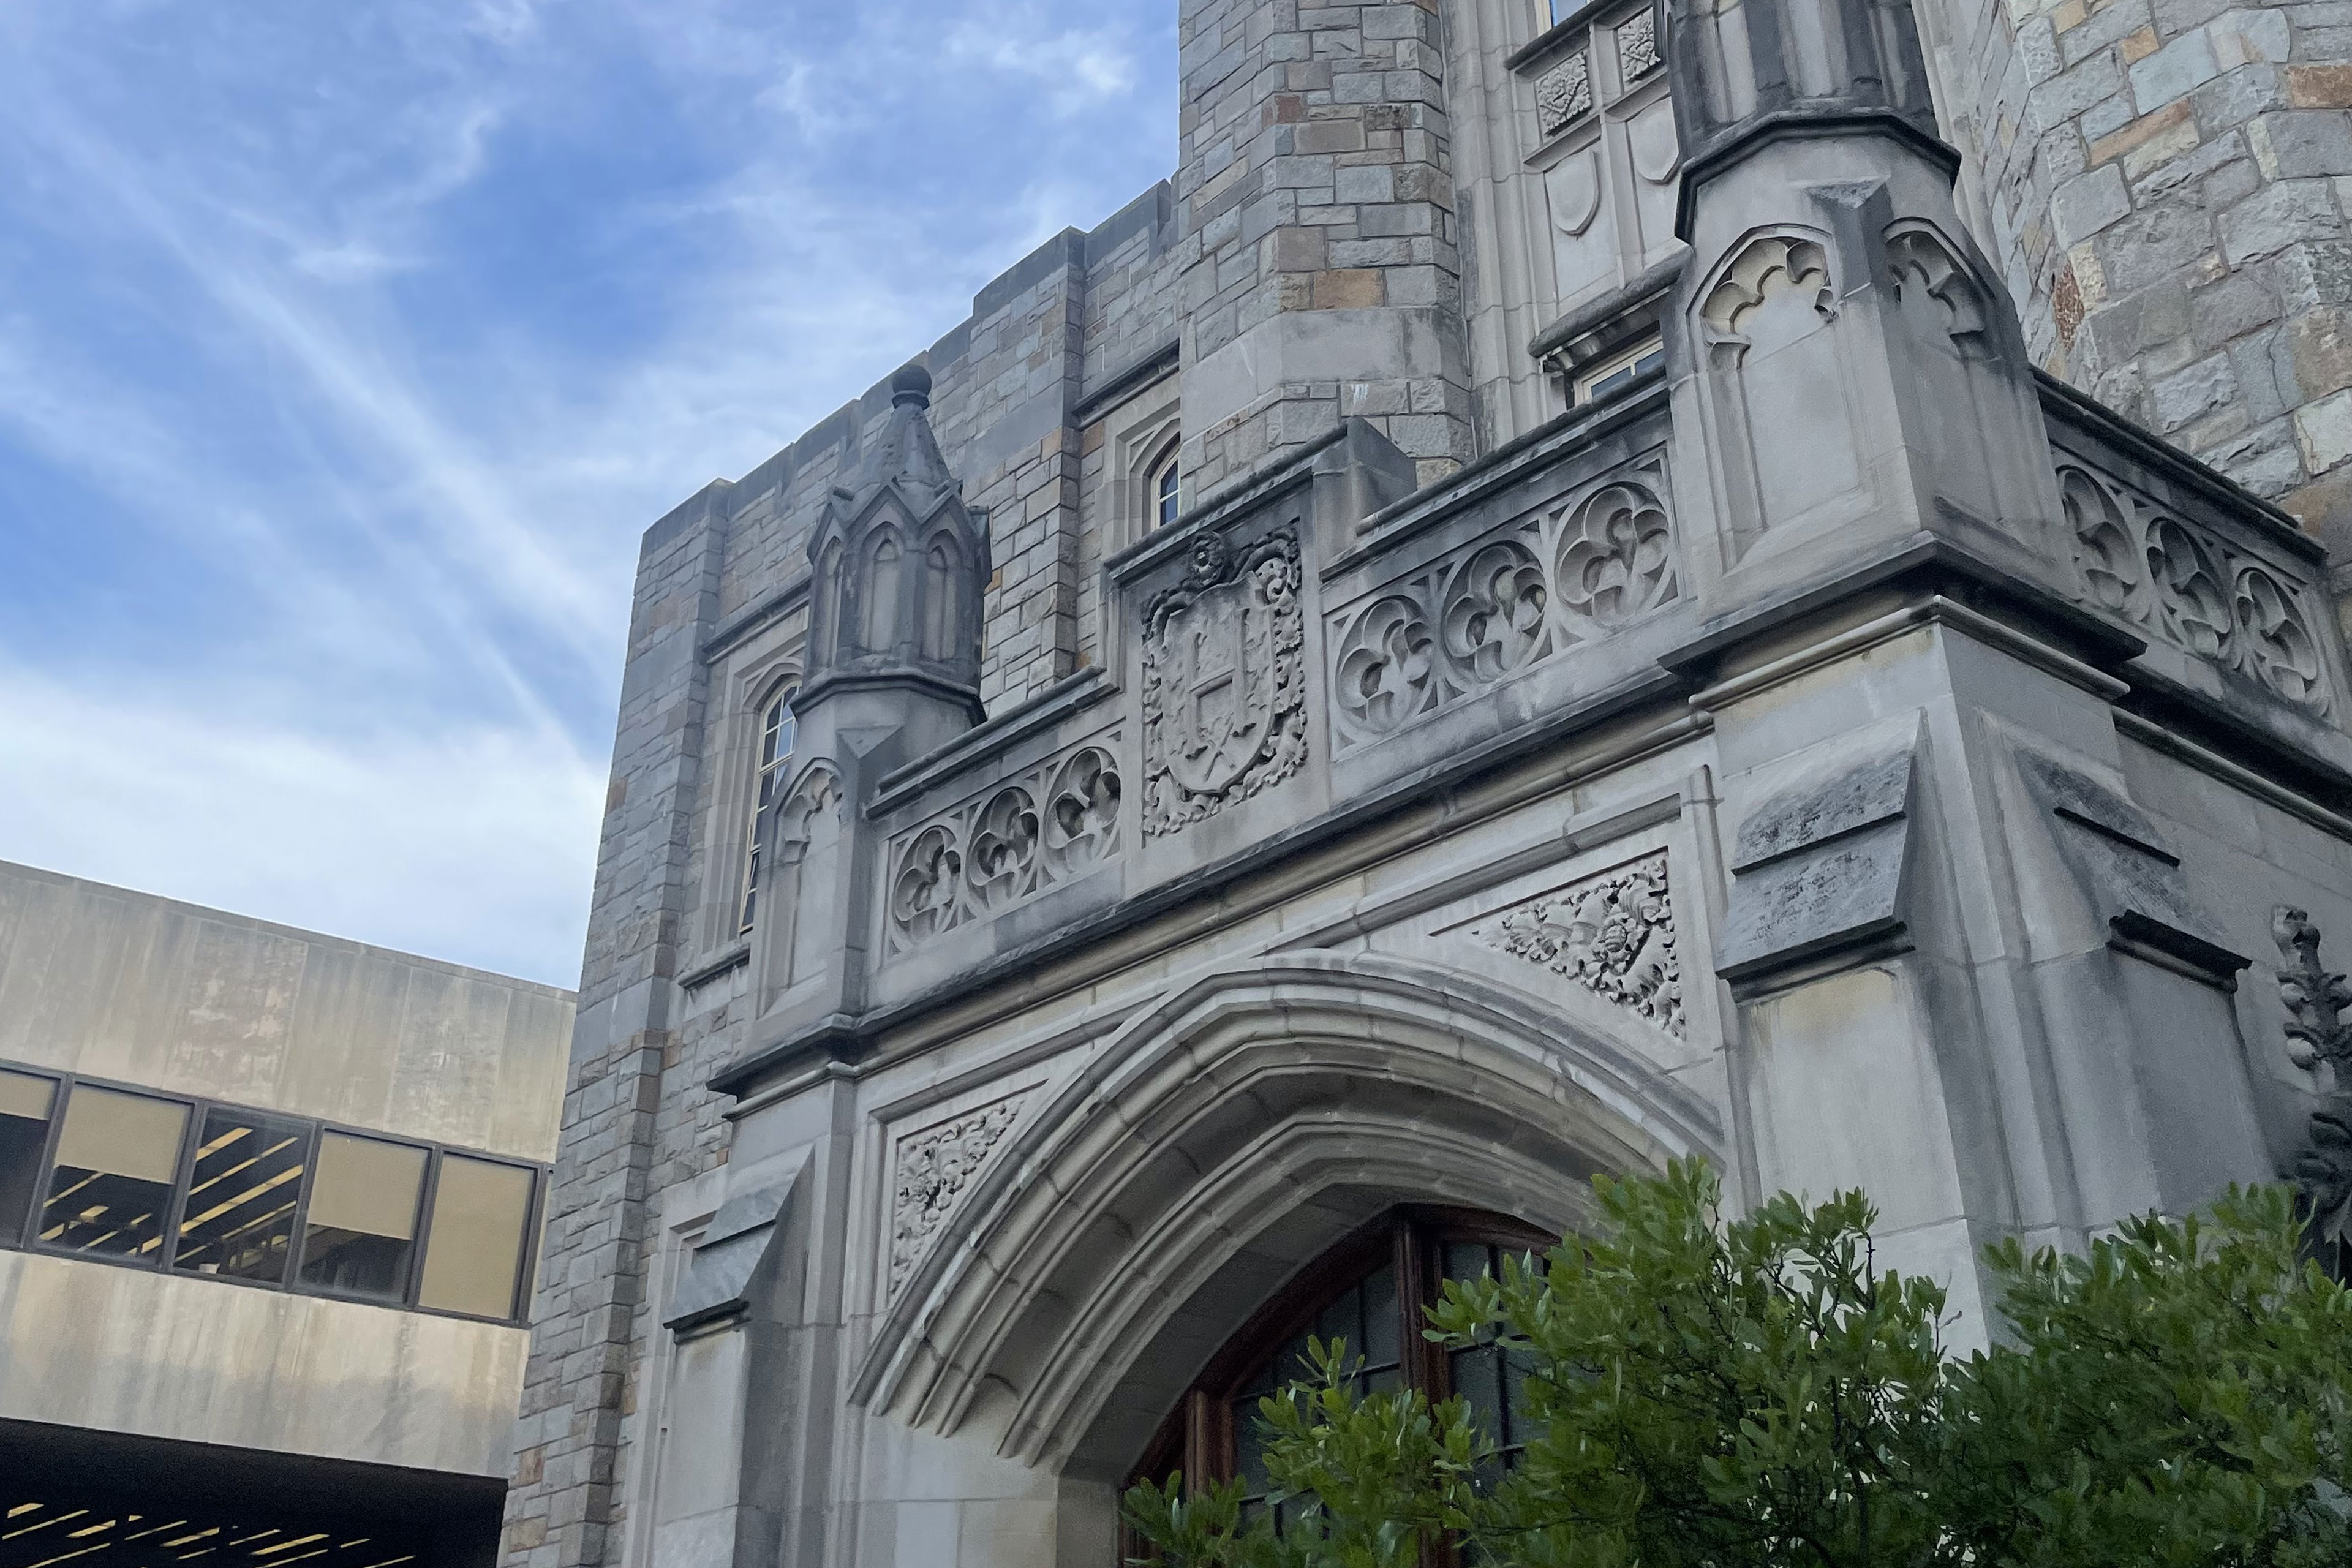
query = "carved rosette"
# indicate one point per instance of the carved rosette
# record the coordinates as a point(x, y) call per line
point(1223, 693)
point(930, 1172)
point(1049, 825)
point(1501, 605)
point(1613, 934)
point(1637, 46)
point(1563, 94)
point(2178, 581)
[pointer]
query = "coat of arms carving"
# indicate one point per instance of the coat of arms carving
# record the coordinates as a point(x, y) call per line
point(1224, 710)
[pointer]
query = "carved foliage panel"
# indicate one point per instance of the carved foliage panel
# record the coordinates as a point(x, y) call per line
point(2183, 583)
point(929, 1172)
point(1613, 934)
point(1570, 573)
point(1050, 825)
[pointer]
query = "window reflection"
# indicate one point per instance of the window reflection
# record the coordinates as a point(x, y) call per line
point(1492, 1377)
point(474, 1260)
point(362, 1228)
point(1365, 1317)
point(25, 1101)
point(777, 729)
point(111, 1186)
point(1164, 499)
point(264, 1198)
point(239, 1217)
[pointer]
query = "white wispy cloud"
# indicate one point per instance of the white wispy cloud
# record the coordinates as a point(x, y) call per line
point(464, 843)
point(399, 323)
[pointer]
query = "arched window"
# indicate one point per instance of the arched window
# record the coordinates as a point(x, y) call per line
point(1165, 485)
point(1370, 1290)
point(880, 632)
point(776, 729)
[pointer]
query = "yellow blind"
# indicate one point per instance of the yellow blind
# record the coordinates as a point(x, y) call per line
point(122, 1134)
point(473, 1255)
point(366, 1185)
point(22, 1094)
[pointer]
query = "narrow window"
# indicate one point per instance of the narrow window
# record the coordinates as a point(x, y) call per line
point(1613, 377)
point(361, 1230)
point(473, 1253)
point(110, 1188)
point(940, 601)
point(1164, 488)
point(776, 732)
point(25, 1101)
point(879, 630)
point(239, 1216)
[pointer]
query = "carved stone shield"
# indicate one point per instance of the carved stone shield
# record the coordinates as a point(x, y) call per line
point(1224, 704)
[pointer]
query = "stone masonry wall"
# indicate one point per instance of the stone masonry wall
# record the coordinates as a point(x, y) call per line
point(591, 1271)
point(1314, 175)
point(2167, 182)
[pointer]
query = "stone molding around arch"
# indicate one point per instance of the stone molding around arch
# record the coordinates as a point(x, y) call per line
point(1244, 1094)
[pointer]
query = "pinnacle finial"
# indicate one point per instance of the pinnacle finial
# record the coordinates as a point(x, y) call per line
point(912, 385)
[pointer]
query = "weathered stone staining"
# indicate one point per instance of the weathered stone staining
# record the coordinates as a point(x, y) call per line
point(1640, 660)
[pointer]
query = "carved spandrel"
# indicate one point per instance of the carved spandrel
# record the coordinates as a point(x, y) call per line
point(930, 1174)
point(1613, 934)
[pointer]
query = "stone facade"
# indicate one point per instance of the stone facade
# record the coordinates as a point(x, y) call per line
point(1647, 663)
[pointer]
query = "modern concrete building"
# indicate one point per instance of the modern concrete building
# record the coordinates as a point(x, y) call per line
point(1541, 607)
point(268, 1210)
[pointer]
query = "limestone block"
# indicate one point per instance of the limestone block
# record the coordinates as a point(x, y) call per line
point(1820, 863)
point(2088, 203)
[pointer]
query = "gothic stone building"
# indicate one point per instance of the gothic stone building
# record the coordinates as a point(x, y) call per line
point(1744, 579)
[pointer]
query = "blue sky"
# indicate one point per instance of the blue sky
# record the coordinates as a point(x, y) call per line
point(346, 347)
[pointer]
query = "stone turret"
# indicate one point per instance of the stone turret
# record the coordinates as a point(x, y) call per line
point(1741, 70)
point(898, 566)
point(1853, 369)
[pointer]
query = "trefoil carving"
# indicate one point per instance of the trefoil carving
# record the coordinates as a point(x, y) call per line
point(930, 1172)
point(1223, 693)
point(1613, 934)
point(2178, 581)
point(1501, 605)
point(1052, 824)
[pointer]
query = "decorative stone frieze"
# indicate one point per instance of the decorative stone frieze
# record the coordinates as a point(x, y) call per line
point(2179, 581)
point(1223, 689)
point(930, 1170)
point(1595, 561)
point(1613, 934)
point(1052, 824)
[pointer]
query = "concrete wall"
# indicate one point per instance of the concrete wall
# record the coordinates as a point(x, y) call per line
point(124, 1349)
point(112, 984)
point(115, 984)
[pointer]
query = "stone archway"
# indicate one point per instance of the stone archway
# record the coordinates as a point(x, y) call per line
point(1237, 1127)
